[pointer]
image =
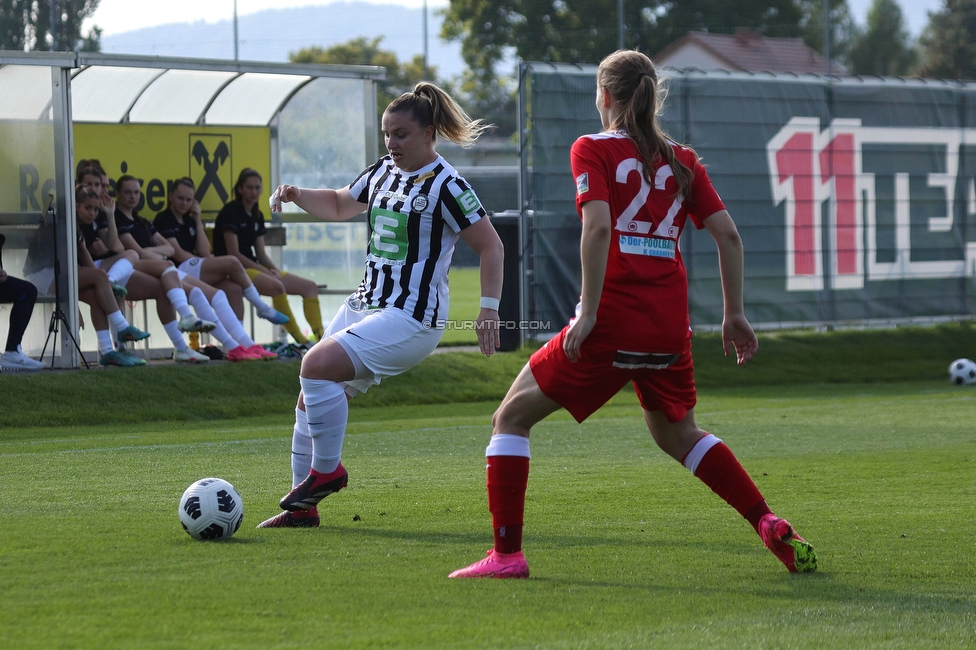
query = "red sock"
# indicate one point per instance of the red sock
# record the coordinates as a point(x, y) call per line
point(720, 470)
point(321, 477)
point(508, 477)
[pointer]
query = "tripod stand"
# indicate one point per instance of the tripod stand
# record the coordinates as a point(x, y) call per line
point(57, 316)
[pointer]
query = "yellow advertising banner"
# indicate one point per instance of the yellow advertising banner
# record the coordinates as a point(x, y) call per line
point(26, 165)
point(212, 156)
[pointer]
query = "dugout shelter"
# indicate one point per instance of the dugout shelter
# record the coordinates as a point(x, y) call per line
point(159, 119)
point(855, 197)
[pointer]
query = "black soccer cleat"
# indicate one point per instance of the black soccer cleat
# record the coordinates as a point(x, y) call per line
point(314, 488)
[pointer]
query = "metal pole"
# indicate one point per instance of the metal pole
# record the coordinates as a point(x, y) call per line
point(426, 70)
point(620, 24)
point(236, 57)
point(827, 34)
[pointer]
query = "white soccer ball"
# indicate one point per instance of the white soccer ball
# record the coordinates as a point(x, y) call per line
point(963, 372)
point(211, 509)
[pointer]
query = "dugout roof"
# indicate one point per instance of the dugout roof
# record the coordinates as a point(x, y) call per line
point(111, 88)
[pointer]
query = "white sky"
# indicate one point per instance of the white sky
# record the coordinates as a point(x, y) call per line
point(117, 16)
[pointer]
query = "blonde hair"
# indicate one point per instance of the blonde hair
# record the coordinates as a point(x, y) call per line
point(630, 77)
point(428, 105)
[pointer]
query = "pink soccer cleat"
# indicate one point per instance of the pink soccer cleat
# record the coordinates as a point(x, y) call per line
point(259, 352)
point(240, 353)
point(286, 519)
point(791, 549)
point(496, 565)
point(314, 488)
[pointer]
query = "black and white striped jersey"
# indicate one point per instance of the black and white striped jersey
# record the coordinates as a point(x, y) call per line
point(414, 222)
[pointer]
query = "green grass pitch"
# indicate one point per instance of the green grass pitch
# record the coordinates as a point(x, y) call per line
point(627, 550)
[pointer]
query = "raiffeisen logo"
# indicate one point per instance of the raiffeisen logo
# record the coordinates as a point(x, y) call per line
point(887, 199)
point(209, 154)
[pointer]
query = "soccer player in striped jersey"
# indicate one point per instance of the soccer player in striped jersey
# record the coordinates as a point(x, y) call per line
point(635, 191)
point(417, 207)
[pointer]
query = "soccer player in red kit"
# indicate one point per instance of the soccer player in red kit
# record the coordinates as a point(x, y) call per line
point(635, 190)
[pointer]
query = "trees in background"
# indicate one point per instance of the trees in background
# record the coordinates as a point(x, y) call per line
point(585, 31)
point(885, 48)
point(843, 30)
point(400, 77)
point(494, 102)
point(28, 25)
point(948, 44)
point(669, 21)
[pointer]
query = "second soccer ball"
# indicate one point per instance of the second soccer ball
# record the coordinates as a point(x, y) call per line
point(963, 372)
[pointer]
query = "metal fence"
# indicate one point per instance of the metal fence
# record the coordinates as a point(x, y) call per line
point(855, 198)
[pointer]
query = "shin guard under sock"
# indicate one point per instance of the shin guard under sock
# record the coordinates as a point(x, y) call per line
point(507, 478)
point(301, 448)
point(718, 468)
point(327, 410)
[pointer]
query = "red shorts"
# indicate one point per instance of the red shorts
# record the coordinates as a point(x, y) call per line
point(662, 382)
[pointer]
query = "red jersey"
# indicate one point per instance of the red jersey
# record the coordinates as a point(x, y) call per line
point(644, 304)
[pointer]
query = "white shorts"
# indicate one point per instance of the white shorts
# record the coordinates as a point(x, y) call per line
point(380, 343)
point(192, 267)
point(43, 280)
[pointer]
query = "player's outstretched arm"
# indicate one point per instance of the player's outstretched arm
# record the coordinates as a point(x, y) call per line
point(736, 330)
point(483, 240)
point(326, 204)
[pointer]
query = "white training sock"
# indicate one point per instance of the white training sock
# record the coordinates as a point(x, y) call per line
point(117, 320)
point(120, 271)
point(227, 316)
point(178, 299)
point(175, 335)
point(203, 309)
point(301, 448)
point(253, 297)
point(508, 444)
point(327, 410)
point(104, 341)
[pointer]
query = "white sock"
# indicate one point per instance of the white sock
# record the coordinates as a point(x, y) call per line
point(327, 410)
point(301, 448)
point(227, 316)
point(104, 341)
point(507, 444)
point(117, 320)
point(175, 335)
point(120, 272)
point(253, 297)
point(178, 298)
point(698, 452)
point(203, 309)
